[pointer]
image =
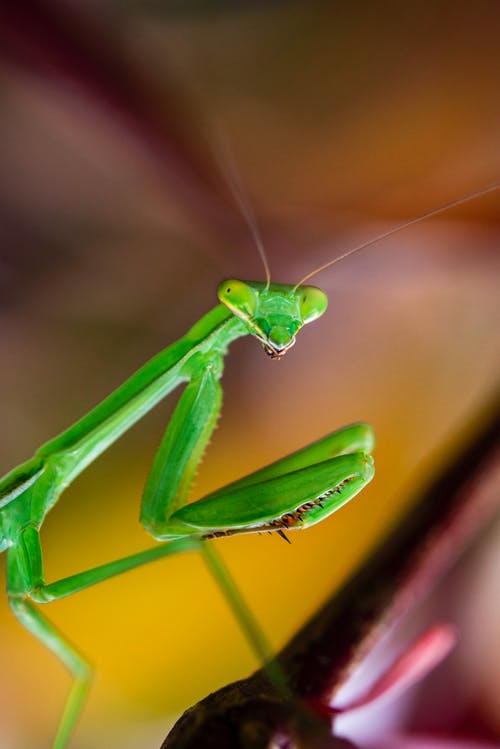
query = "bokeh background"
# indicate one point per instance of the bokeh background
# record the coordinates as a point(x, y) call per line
point(116, 228)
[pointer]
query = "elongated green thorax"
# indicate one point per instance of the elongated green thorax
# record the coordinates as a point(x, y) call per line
point(273, 313)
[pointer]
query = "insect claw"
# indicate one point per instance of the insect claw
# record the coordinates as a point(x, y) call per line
point(281, 533)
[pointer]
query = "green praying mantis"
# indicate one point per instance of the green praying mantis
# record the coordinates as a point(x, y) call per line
point(292, 493)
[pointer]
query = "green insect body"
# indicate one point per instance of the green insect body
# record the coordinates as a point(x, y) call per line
point(292, 493)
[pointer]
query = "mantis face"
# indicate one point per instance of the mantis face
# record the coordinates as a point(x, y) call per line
point(273, 313)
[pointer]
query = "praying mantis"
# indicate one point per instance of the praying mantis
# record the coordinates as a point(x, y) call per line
point(292, 493)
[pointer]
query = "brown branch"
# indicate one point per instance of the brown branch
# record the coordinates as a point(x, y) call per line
point(422, 545)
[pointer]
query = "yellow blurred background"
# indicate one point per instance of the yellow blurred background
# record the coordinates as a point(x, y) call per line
point(344, 120)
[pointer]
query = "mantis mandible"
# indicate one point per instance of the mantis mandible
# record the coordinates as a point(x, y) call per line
point(292, 493)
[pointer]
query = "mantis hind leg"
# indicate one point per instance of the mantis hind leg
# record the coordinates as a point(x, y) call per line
point(245, 618)
point(43, 630)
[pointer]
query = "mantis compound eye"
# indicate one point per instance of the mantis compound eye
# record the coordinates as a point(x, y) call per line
point(312, 301)
point(239, 297)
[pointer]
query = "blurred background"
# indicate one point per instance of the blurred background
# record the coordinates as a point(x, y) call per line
point(116, 227)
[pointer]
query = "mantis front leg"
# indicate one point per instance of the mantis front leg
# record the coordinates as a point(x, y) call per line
point(182, 447)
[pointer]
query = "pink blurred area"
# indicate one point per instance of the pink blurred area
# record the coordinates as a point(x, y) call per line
point(427, 742)
point(116, 227)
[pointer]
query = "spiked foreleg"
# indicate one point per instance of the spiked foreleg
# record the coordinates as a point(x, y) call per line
point(181, 451)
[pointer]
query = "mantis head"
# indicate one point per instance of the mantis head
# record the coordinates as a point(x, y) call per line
point(273, 313)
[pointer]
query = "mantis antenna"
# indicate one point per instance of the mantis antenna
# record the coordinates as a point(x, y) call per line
point(434, 212)
point(233, 180)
